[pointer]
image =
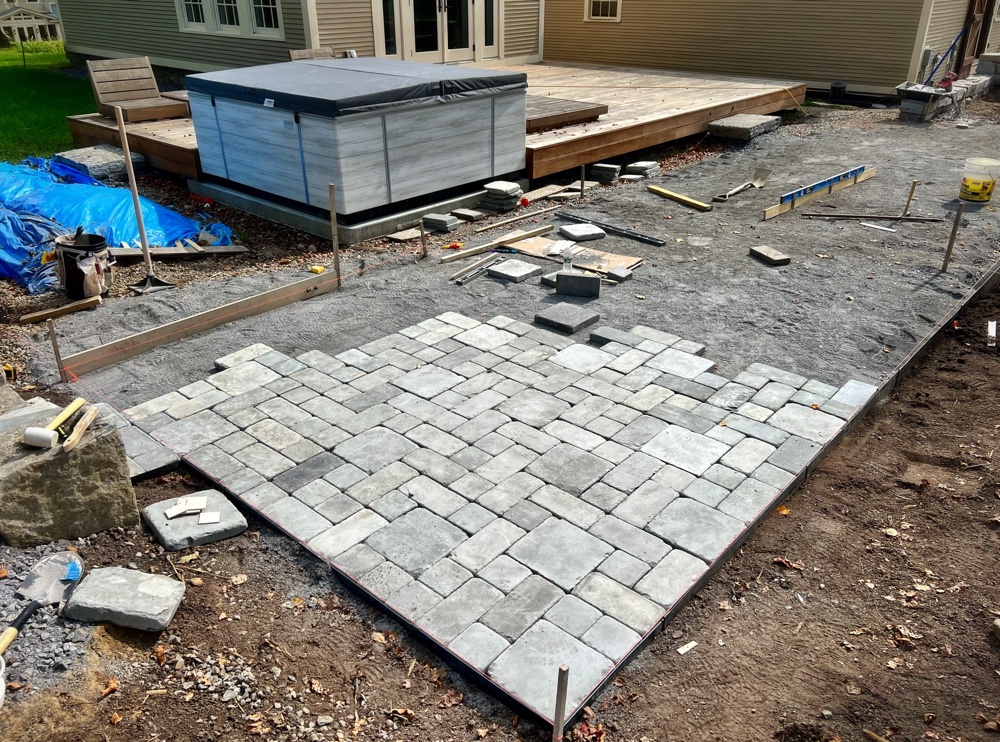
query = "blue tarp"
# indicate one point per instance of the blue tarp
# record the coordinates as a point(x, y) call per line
point(35, 206)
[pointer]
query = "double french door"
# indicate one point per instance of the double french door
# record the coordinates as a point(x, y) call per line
point(440, 30)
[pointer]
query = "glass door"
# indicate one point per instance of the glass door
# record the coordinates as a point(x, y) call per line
point(488, 30)
point(459, 30)
point(424, 42)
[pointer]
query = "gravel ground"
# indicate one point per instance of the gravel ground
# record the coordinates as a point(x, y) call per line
point(853, 303)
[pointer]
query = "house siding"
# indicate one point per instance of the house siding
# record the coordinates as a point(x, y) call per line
point(947, 19)
point(150, 28)
point(868, 44)
point(522, 23)
point(346, 24)
point(993, 28)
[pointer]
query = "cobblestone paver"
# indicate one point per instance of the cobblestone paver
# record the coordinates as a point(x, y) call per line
point(524, 500)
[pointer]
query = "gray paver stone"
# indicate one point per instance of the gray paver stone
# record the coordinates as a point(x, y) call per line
point(335, 509)
point(794, 454)
point(604, 497)
point(566, 317)
point(445, 576)
point(777, 374)
point(561, 552)
point(624, 568)
point(583, 359)
point(731, 396)
point(747, 455)
point(358, 560)
point(566, 506)
point(241, 356)
point(806, 422)
point(533, 408)
point(266, 461)
point(754, 429)
point(672, 412)
point(573, 615)
point(194, 432)
point(748, 500)
point(681, 364)
point(213, 462)
point(603, 335)
point(631, 539)
point(645, 503)
point(519, 610)
point(504, 573)
point(611, 638)
point(639, 431)
point(486, 545)
point(471, 486)
point(341, 537)
point(527, 436)
point(413, 600)
point(772, 475)
point(273, 434)
point(427, 381)
point(296, 518)
point(184, 531)
point(385, 580)
point(527, 667)
point(375, 449)
point(392, 505)
point(126, 597)
point(507, 464)
point(706, 492)
point(471, 517)
point(696, 528)
point(671, 578)
point(569, 468)
point(612, 599)
point(632, 472)
point(479, 646)
point(514, 270)
point(485, 337)
point(242, 378)
point(854, 393)
point(431, 495)
point(527, 515)
point(458, 611)
point(308, 471)
point(773, 395)
point(260, 495)
point(344, 476)
point(417, 540)
point(686, 450)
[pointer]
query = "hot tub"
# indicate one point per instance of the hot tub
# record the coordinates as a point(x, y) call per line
point(382, 131)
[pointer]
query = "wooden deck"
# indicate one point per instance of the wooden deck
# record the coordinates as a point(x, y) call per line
point(169, 145)
point(546, 112)
point(646, 107)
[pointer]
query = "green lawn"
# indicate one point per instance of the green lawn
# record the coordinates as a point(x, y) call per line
point(36, 101)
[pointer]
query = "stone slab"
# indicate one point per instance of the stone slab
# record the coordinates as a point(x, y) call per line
point(479, 646)
point(184, 531)
point(514, 270)
point(686, 450)
point(560, 552)
point(568, 318)
point(769, 255)
point(669, 580)
point(744, 126)
point(696, 528)
point(417, 540)
point(575, 283)
point(126, 597)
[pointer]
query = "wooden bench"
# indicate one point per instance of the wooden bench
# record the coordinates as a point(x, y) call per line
point(130, 84)
point(322, 52)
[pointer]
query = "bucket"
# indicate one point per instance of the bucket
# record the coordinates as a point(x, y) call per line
point(980, 179)
point(85, 265)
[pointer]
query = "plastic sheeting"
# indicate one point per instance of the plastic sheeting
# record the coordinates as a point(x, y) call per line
point(36, 206)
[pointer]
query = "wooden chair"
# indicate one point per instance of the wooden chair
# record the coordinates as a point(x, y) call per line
point(322, 52)
point(130, 83)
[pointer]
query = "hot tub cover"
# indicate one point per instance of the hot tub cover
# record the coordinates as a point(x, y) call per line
point(340, 87)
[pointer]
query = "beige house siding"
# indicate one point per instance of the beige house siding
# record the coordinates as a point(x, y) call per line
point(868, 44)
point(947, 19)
point(993, 28)
point(113, 28)
point(521, 27)
point(346, 24)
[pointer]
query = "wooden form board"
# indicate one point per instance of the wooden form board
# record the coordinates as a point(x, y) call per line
point(108, 354)
point(168, 145)
point(546, 112)
point(584, 257)
point(646, 107)
point(177, 252)
point(779, 209)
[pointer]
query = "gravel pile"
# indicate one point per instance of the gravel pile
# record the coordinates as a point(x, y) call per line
point(49, 645)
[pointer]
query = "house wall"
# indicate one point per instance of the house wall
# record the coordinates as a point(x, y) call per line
point(993, 28)
point(522, 23)
point(346, 24)
point(868, 44)
point(947, 19)
point(116, 28)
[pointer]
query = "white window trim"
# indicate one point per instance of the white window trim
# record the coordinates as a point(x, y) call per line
point(587, 5)
point(247, 27)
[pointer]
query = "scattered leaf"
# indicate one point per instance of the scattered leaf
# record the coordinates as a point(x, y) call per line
point(401, 714)
point(378, 636)
point(3, 573)
point(317, 687)
point(110, 686)
point(451, 698)
point(783, 510)
point(116, 719)
point(931, 734)
point(891, 532)
point(799, 565)
point(14, 686)
point(639, 296)
point(482, 732)
point(188, 558)
point(853, 690)
point(238, 579)
point(196, 581)
point(725, 605)
point(922, 588)
point(160, 654)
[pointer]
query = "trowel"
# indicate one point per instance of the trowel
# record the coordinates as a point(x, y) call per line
point(49, 582)
point(757, 180)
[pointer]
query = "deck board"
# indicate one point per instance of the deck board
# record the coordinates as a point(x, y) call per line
point(545, 112)
point(169, 145)
point(646, 107)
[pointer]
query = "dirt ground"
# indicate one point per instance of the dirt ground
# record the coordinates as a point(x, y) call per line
point(867, 605)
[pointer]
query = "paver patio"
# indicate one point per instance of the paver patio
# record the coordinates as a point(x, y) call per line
point(522, 500)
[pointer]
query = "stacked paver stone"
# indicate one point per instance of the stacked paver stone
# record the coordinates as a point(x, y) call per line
point(524, 500)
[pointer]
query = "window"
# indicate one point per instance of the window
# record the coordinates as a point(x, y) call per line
point(260, 18)
point(265, 14)
point(604, 10)
point(389, 26)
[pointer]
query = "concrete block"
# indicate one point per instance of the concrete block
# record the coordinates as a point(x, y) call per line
point(445, 577)
point(672, 578)
point(568, 318)
point(573, 615)
point(453, 615)
point(569, 468)
point(339, 538)
point(514, 270)
point(624, 568)
point(686, 450)
point(184, 531)
point(431, 495)
point(358, 560)
point(385, 580)
point(806, 422)
point(619, 274)
point(631, 539)
point(696, 528)
point(566, 506)
point(520, 609)
point(744, 126)
point(611, 638)
point(769, 255)
point(748, 500)
point(413, 600)
point(504, 573)
point(583, 359)
point(126, 597)
point(644, 504)
point(479, 646)
point(416, 540)
point(468, 215)
point(560, 552)
point(486, 545)
point(707, 492)
point(375, 449)
point(582, 232)
point(618, 601)
point(574, 283)
point(100, 162)
point(757, 430)
point(485, 338)
point(314, 468)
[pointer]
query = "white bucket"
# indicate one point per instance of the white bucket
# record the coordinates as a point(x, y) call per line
point(980, 179)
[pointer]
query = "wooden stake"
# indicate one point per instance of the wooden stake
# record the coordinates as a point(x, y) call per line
point(513, 219)
point(913, 188)
point(954, 235)
point(333, 233)
point(559, 719)
point(55, 350)
point(583, 180)
point(423, 240)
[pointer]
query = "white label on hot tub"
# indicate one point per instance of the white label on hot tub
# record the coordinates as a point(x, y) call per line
point(269, 103)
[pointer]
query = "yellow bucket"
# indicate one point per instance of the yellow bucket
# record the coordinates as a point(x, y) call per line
point(980, 179)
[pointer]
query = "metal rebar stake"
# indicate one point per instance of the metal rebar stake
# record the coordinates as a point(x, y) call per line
point(583, 179)
point(954, 234)
point(559, 719)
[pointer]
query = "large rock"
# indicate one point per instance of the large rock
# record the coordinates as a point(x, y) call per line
point(46, 494)
point(126, 597)
point(101, 161)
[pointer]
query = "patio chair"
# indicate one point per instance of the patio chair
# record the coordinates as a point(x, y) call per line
point(130, 83)
point(323, 52)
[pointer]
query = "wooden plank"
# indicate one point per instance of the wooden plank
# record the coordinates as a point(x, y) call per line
point(779, 209)
point(679, 198)
point(108, 354)
point(45, 314)
point(176, 153)
point(499, 242)
point(179, 252)
point(518, 218)
point(545, 112)
point(584, 257)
